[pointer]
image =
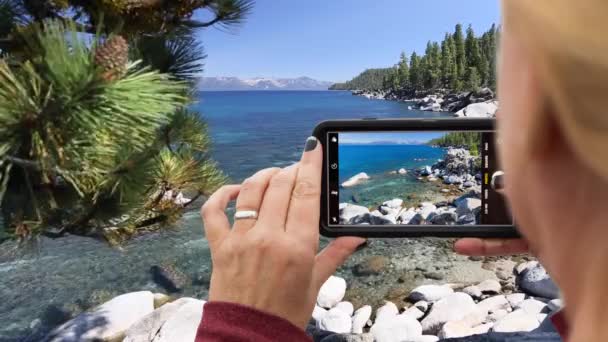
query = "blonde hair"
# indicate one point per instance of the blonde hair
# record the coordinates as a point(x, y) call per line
point(567, 40)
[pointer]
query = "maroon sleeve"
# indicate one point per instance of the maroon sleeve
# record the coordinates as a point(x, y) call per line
point(229, 322)
point(561, 325)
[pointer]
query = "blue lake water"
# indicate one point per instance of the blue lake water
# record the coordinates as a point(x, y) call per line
point(250, 131)
point(380, 162)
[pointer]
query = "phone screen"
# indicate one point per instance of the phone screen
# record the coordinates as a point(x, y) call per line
point(442, 178)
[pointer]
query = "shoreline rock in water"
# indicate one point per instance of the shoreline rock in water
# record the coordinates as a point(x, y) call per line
point(477, 104)
point(458, 169)
point(426, 313)
point(356, 179)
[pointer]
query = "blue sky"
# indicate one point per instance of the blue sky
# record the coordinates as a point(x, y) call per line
point(393, 137)
point(334, 40)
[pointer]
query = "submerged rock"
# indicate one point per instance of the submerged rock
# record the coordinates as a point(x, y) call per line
point(356, 179)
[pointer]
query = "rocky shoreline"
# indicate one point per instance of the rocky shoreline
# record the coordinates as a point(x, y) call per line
point(477, 104)
point(457, 176)
point(521, 301)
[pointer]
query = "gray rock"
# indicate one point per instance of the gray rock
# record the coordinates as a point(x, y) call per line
point(430, 293)
point(372, 265)
point(525, 265)
point(426, 171)
point(406, 216)
point(452, 307)
point(466, 206)
point(444, 219)
point(108, 321)
point(536, 282)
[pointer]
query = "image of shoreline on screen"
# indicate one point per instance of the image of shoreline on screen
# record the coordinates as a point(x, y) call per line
point(414, 178)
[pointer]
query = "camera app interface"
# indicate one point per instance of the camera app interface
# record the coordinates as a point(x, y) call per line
point(414, 178)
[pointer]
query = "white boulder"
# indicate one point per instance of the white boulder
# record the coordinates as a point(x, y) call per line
point(422, 305)
point(318, 313)
point(430, 293)
point(473, 291)
point(453, 307)
point(356, 179)
point(413, 312)
point(394, 203)
point(493, 304)
point(360, 319)
point(346, 307)
point(396, 329)
point(517, 320)
point(331, 292)
point(389, 309)
point(146, 328)
point(336, 321)
point(490, 286)
point(350, 211)
point(479, 110)
point(108, 321)
point(182, 326)
point(515, 298)
point(402, 171)
point(531, 306)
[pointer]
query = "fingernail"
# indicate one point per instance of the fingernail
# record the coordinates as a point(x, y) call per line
point(498, 182)
point(311, 143)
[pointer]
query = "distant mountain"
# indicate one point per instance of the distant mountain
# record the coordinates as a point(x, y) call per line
point(262, 83)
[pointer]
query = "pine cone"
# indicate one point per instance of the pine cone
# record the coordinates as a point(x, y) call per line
point(112, 58)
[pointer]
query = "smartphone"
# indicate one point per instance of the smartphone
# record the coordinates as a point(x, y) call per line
point(412, 178)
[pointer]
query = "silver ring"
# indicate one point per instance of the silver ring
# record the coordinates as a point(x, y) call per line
point(246, 215)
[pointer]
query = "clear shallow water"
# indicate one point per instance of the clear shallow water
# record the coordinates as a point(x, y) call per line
point(378, 161)
point(250, 130)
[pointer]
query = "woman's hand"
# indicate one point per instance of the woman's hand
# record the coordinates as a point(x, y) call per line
point(270, 263)
point(491, 247)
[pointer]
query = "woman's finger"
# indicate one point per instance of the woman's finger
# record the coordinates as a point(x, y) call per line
point(251, 195)
point(334, 255)
point(303, 216)
point(275, 205)
point(491, 247)
point(214, 217)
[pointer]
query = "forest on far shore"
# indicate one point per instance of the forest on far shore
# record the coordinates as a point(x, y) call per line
point(461, 62)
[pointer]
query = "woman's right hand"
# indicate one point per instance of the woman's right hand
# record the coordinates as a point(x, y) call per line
point(491, 247)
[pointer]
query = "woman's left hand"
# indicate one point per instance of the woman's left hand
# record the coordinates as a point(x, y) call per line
point(270, 263)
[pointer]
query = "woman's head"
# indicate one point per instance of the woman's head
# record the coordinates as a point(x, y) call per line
point(553, 124)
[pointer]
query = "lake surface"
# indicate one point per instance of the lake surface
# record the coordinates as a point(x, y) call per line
point(250, 130)
point(381, 162)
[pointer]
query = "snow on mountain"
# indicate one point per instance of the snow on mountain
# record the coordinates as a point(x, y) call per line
point(262, 83)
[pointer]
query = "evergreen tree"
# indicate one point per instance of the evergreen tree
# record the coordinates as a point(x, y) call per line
point(448, 61)
point(473, 80)
point(473, 54)
point(403, 73)
point(416, 72)
point(461, 57)
point(96, 138)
